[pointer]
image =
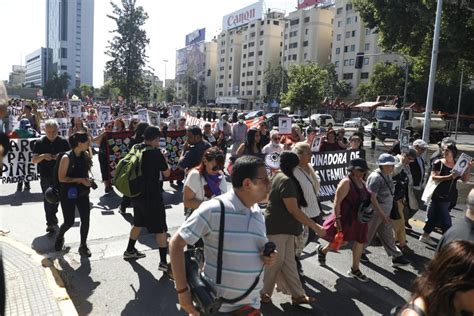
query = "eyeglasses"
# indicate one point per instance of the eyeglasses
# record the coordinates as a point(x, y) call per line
point(264, 179)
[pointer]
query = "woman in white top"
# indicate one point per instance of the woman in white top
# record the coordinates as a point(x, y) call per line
point(205, 181)
point(310, 183)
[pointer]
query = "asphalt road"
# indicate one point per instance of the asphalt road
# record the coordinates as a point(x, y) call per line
point(105, 284)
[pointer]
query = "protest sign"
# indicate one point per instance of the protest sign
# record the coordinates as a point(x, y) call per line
point(63, 124)
point(13, 123)
point(462, 164)
point(331, 167)
point(17, 164)
point(74, 108)
point(284, 125)
point(272, 161)
point(404, 140)
point(173, 144)
point(104, 115)
point(117, 148)
point(315, 142)
point(176, 111)
point(143, 115)
point(153, 118)
point(93, 128)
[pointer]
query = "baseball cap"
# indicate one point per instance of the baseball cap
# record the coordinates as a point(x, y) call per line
point(387, 160)
point(24, 123)
point(420, 143)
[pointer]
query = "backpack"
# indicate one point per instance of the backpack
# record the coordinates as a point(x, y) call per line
point(71, 166)
point(128, 173)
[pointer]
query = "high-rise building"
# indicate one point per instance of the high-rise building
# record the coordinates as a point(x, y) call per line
point(308, 36)
point(70, 36)
point(249, 44)
point(350, 37)
point(37, 67)
point(17, 76)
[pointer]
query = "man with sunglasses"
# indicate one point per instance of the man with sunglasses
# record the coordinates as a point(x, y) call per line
point(244, 239)
point(193, 148)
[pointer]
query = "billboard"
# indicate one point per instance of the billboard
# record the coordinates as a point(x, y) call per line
point(195, 37)
point(191, 60)
point(242, 16)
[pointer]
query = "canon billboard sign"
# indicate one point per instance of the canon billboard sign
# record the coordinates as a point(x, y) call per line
point(242, 16)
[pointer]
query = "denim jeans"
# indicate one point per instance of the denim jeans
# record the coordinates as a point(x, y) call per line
point(438, 212)
point(49, 209)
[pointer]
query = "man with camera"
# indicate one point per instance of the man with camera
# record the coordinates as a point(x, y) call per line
point(240, 257)
point(44, 154)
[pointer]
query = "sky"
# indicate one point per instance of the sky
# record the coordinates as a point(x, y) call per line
point(23, 29)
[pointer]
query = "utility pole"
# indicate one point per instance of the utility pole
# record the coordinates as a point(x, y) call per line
point(432, 81)
point(459, 103)
point(165, 61)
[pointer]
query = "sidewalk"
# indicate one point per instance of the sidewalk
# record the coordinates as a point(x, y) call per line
point(31, 285)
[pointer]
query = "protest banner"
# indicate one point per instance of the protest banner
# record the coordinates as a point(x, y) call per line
point(104, 115)
point(74, 108)
point(404, 140)
point(17, 164)
point(331, 167)
point(93, 128)
point(173, 142)
point(272, 162)
point(117, 148)
point(153, 118)
point(64, 124)
point(284, 125)
point(143, 115)
point(462, 164)
point(176, 111)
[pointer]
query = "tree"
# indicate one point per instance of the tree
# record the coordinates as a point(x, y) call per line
point(170, 94)
point(273, 84)
point(86, 90)
point(56, 86)
point(305, 87)
point(332, 87)
point(128, 50)
point(394, 24)
point(387, 79)
point(109, 92)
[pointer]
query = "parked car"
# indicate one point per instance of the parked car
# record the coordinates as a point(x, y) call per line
point(321, 119)
point(356, 122)
point(254, 114)
point(295, 118)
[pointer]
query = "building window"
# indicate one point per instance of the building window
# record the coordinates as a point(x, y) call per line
point(245, 56)
point(347, 76)
point(259, 72)
point(293, 45)
point(353, 33)
point(230, 76)
point(294, 56)
point(348, 34)
point(259, 62)
point(338, 51)
point(221, 77)
point(249, 73)
point(260, 52)
point(364, 75)
point(258, 92)
point(367, 46)
point(349, 20)
point(230, 67)
point(243, 74)
point(245, 46)
point(305, 43)
point(351, 62)
point(366, 61)
point(305, 56)
point(251, 44)
point(353, 48)
point(251, 54)
point(258, 82)
point(306, 31)
point(348, 6)
point(346, 62)
point(252, 34)
point(63, 67)
point(339, 10)
point(276, 22)
point(367, 31)
point(261, 33)
point(243, 83)
point(243, 65)
point(63, 52)
point(336, 64)
point(261, 43)
point(338, 37)
point(339, 23)
point(346, 49)
point(295, 22)
point(250, 63)
point(249, 92)
point(306, 19)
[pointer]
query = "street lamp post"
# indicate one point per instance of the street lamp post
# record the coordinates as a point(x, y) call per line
point(165, 61)
point(459, 103)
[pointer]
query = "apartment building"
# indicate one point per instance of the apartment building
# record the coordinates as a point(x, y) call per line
point(244, 51)
point(38, 65)
point(308, 36)
point(350, 37)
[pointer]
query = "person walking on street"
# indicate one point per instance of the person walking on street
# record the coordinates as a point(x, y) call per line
point(239, 134)
point(73, 175)
point(380, 183)
point(417, 169)
point(45, 153)
point(148, 207)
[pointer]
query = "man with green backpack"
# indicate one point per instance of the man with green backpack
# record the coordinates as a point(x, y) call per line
point(139, 176)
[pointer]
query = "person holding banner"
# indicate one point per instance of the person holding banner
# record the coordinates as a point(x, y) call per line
point(74, 190)
point(45, 154)
point(329, 142)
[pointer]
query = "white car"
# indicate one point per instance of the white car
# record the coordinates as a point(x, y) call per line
point(356, 122)
point(321, 119)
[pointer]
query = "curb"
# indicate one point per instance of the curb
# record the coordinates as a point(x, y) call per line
point(53, 277)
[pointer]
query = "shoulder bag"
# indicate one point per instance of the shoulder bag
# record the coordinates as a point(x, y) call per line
point(394, 213)
point(365, 212)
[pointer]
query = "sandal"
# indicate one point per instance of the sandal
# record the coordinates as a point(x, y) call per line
point(321, 256)
point(358, 275)
point(303, 300)
point(265, 298)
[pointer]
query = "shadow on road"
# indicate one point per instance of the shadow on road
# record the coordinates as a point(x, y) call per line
point(44, 244)
point(153, 297)
point(18, 198)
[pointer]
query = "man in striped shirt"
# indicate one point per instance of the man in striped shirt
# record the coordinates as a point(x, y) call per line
point(244, 238)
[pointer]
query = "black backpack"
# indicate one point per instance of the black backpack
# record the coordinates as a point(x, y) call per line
point(71, 166)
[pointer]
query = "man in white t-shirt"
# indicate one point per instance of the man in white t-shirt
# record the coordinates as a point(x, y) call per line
point(274, 146)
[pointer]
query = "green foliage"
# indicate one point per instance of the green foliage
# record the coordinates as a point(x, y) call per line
point(305, 88)
point(387, 79)
point(170, 94)
point(128, 50)
point(273, 84)
point(56, 86)
point(109, 92)
point(408, 27)
point(332, 87)
point(86, 90)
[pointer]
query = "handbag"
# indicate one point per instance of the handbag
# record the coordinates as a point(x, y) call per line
point(394, 213)
point(365, 212)
point(430, 188)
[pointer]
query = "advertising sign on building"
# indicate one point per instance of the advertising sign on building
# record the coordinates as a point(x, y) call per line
point(195, 37)
point(242, 16)
point(307, 3)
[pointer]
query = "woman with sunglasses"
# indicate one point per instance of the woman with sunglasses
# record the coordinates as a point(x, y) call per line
point(205, 181)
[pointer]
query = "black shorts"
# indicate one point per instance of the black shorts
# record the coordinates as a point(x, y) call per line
point(149, 214)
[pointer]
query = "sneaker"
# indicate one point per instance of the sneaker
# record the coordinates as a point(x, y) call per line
point(109, 189)
point(59, 244)
point(133, 254)
point(408, 226)
point(400, 261)
point(179, 183)
point(50, 229)
point(27, 186)
point(163, 267)
point(427, 240)
point(84, 251)
point(356, 274)
point(364, 258)
point(122, 210)
point(407, 250)
point(321, 256)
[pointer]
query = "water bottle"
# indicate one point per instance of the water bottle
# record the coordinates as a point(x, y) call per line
point(336, 243)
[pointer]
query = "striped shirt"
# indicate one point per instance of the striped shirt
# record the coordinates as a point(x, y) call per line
point(244, 239)
point(310, 185)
